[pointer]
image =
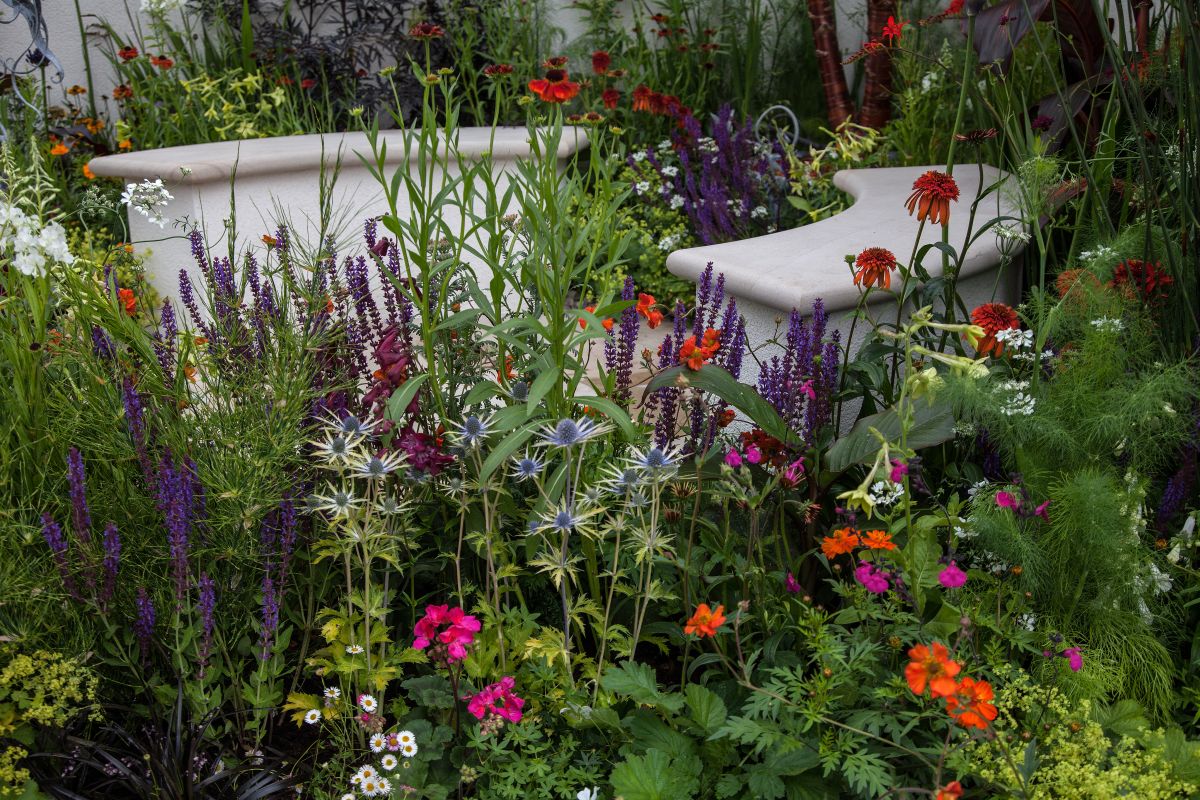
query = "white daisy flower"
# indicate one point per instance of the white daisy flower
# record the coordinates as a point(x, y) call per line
point(370, 787)
point(312, 716)
point(377, 743)
point(333, 693)
point(408, 750)
point(367, 703)
point(354, 649)
point(385, 786)
point(389, 762)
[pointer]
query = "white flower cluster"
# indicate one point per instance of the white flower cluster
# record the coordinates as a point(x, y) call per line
point(885, 493)
point(159, 6)
point(31, 249)
point(1028, 621)
point(1108, 325)
point(1015, 338)
point(670, 171)
point(707, 144)
point(642, 187)
point(1013, 233)
point(758, 212)
point(638, 157)
point(1099, 255)
point(148, 198)
point(676, 202)
point(1018, 400)
point(667, 243)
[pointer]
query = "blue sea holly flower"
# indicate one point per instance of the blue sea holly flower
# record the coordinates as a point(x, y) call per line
point(354, 427)
point(527, 467)
point(568, 432)
point(563, 521)
point(622, 480)
point(473, 431)
point(657, 462)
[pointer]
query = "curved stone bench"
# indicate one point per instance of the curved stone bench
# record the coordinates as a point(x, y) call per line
point(282, 174)
point(770, 275)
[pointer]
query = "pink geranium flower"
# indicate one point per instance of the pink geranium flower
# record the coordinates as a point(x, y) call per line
point(753, 454)
point(873, 580)
point(497, 700)
point(952, 577)
point(452, 629)
point(1074, 657)
point(733, 458)
point(1007, 500)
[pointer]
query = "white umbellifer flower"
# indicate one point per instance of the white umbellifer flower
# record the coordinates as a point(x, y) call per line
point(389, 762)
point(976, 488)
point(964, 533)
point(676, 202)
point(670, 171)
point(668, 242)
point(367, 703)
point(1028, 621)
point(159, 6)
point(377, 742)
point(758, 212)
point(148, 198)
point(1018, 401)
point(1108, 325)
point(30, 250)
point(1103, 253)
point(333, 693)
point(642, 187)
point(1015, 338)
point(639, 156)
point(589, 794)
point(354, 649)
point(885, 493)
point(313, 716)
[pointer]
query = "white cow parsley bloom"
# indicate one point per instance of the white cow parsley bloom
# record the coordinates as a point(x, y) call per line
point(148, 198)
point(1018, 401)
point(1108, 325)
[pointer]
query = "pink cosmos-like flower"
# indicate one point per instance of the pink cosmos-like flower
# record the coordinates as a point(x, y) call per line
point(952, 577)
point(1042, 511)
point(791, 584)
point(451, 627)
point(899, 470)
point(497, 700)
point(1074, 657)
point(753, 454)
point(791, 475)
point(873, 580)
point(1007, 500)
point(733, 458)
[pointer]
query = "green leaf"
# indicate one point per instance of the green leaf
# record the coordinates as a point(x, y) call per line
point(508, 445)
point(931, 425)
point(638, 683)
point(611, 410)
point(643, 777)
point(400, 399)
point(707, 710)
point(715, 380)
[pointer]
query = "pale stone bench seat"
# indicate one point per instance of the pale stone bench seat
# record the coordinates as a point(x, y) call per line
point(280, 177)
point(771, 275)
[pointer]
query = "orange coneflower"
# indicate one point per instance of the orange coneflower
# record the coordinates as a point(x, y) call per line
point(128, 53)
point(932, 193)
point(555, 87)
point(426, 30)
point(76, 90)
point(705, 621)
point(875, 265)
point(993, 318)
point(641, 97)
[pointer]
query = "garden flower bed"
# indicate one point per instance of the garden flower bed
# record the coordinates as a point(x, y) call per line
point(691, 428)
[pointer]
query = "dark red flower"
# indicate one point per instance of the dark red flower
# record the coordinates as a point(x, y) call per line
point(307, 83)
point(426, 30)
point(555, 62)
point(1041, 123)
point(893, 30)
point(1141, 280)
point(641, 98)
point(122, 92)
point(875, 265)
point(610, 97)
point(993, 318)
point(128, 53)
point(601, 61)
point(492, 70)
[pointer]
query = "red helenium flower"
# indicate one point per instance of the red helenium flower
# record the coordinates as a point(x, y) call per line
point(555, 87)
point(601, 61)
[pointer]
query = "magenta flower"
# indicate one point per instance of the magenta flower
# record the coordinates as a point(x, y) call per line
point(753, 454)
point(733, 458)
point(1074, 657)
point(1042, 511)
point(791, 475)
point(952, 577)
point(452, 629)
point(791, 584)
point(1007, 500)
point(873, 580)
point(899, 470)
point(497, 700)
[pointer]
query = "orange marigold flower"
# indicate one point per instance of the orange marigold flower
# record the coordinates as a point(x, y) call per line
point(877, 540)
point(875, 265)
point(932, 193)
point(59, 149)
point(705, 621)
point(87, 172)
point(971, 703)
point(128, 301)
point(931, 665)
point(555, 87)
point(843, 541)
point(952, 790)
point(993, 318)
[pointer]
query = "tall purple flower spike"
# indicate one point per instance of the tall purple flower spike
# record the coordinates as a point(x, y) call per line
point(143, 626)
point(207, 605)
point(620, 347)
point(802, 383)
point(111, 564)
point(57, 541)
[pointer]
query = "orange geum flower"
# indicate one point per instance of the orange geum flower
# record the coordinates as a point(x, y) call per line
point(971, 703)
point(931, 665)
point(705, 621)
point(59, 149)
point(951, 791)
point(877, 540)
point(931, 196)
point(843, 541)
point(645, 307)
